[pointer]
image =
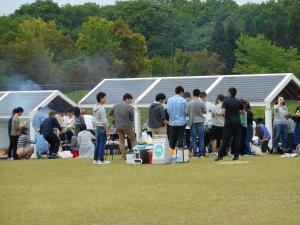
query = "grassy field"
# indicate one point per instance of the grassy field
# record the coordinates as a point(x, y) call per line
point(265, 190)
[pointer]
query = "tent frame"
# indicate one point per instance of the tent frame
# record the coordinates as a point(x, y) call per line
point(44, 103)
point(267, 103)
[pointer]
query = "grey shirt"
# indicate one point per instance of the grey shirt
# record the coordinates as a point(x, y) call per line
point(157, 115)
point(217, 119)
point(124, 115)
point(196, 110)
point(100, 115)
point(280, 116)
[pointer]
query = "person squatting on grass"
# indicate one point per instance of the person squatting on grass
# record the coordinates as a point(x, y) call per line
point(177, 117)
point(24, 150)
point(231, 109)
point(124, 117)
point(157, 115)
point(102, 131)
point(41, 144)
point(15, 131)
point(50, 124)
point(280, 126)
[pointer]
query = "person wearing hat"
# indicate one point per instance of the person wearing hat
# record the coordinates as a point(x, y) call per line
point(297, 128)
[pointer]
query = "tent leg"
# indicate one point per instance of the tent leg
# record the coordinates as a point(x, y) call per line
point(268, 121)
point(137, 121)
point(32, 137)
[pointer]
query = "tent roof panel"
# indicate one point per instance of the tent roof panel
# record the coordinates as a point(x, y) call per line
point(168, 85)
point(27, 100)
point(252, 88)
point(31, 100)
point(116, 88)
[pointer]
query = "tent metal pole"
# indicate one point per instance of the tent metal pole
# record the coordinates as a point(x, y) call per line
point(268, 121)
point(137, 121)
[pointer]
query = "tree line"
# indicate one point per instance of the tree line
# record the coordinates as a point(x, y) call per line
point(49, 43)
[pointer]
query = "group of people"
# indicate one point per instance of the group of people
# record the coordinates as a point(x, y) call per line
point(189, 122)
point(228, 124)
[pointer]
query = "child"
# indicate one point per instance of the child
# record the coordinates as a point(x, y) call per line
point(263, 134)
point(41, 144)
point(24, 150)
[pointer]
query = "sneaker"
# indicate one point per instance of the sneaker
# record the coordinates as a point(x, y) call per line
point(103, 162)
point(201, 157)
point(95, 162)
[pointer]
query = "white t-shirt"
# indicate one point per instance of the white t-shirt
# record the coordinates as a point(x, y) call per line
point(208, 114)
point(89, 120)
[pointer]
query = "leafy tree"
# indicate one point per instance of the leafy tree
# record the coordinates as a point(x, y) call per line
point(198, 63)
point(96, 37)
point(258, 55)
point(133, 49)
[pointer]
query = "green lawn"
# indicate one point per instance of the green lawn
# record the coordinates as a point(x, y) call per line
point(265, 190)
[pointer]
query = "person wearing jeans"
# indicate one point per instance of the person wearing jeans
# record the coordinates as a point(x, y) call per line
point(177, 118)
point(102, 131)
point(249, 135)
point(196, 109)
point(280, 126)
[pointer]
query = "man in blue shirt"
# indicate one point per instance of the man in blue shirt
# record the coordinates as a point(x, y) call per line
point(177, 118)
point(264, 135)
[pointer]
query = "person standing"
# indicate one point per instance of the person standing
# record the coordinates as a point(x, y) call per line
point(157, 115)
point(231, 109)
point(297, 128)
point(124, 117)
point(217, 123)
point(280, 126)
point(196, 109)
point(15, 131)
point(291, 131)
point(244, 127)
point(49, 134)
point(9, 126)
point(249, 132)
point(187, 144)
point(39, 118)
point(102, 131)
point(177, 118)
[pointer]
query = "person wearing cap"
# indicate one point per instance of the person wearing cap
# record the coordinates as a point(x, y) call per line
point(280, 126)
point(297, 128)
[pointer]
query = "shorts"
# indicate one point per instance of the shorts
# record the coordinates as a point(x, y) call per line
point(216, 133)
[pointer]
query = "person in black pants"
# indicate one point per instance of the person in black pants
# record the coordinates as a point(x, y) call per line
point(9, 126)
point(231, 109)
point(15, 132)
point(50, 124)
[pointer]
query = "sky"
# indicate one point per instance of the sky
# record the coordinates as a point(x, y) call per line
point(9, 6)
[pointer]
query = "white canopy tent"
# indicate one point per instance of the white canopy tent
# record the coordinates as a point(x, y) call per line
point(30, 101)
point(258, 89)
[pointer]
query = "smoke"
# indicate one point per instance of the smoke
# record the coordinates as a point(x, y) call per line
point(19, 83)
point(89, 70)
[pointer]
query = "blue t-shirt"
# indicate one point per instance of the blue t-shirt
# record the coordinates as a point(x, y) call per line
point(176, 110)
point(265, 131)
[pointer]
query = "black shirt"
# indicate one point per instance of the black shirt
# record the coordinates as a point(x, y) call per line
point(232, 115)
point(297, 118)
point(49, 125)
